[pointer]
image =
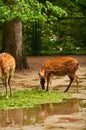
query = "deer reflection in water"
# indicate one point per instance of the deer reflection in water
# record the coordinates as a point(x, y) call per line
point(37, 114)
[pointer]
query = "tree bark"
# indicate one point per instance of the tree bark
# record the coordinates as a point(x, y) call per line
point(12, 43)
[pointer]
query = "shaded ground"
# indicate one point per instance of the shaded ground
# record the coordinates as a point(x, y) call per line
point(30, 80)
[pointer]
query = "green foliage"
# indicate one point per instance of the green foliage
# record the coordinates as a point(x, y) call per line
point(55, 10)
point(59, 32)
point(20, 10)
point(60, 37)
point(26, 98)
point(27, 10)
point(74, 8)
point(56, 32)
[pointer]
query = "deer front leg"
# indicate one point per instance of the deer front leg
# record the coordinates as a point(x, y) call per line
point(49, 79)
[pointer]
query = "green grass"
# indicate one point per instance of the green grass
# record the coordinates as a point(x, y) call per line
point(30, 98)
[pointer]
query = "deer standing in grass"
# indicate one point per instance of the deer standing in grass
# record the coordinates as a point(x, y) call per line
point(7, 67)
point(59, 67)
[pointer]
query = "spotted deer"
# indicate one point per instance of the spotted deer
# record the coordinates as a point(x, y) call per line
point(7, 67)
point(60, 66)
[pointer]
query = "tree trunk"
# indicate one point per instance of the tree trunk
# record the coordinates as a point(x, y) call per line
point(12, 43)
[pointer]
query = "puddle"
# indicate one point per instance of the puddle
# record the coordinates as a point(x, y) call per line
point(38, 114)
point(67, 115)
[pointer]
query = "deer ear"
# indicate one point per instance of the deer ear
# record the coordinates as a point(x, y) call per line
point(41, 73)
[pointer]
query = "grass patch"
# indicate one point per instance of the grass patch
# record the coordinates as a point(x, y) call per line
point(66, 52)
point(30, 98)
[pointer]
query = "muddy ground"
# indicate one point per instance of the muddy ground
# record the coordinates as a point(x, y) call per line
point(29, 79)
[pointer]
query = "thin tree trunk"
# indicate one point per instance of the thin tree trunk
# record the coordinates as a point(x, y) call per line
point(12, 42)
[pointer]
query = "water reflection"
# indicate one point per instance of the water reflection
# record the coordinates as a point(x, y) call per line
point(37, 114)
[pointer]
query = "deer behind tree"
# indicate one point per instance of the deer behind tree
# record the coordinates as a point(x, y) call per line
point(59, 67)
point(7, 67)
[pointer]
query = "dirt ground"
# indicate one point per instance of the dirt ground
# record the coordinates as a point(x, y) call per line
point(29, 79)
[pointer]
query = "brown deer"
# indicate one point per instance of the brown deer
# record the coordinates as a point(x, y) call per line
point(7, 67)
point(59, 66)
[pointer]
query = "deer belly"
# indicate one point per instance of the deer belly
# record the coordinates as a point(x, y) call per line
point(59, 73)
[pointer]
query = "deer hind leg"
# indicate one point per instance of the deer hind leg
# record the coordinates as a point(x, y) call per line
point(9, 79)
point(9, 84)
point(6, 86)
point(48, 80)
point(72, 77)
point(77, 82)
point(71, 80)
point(76, 79)
point(3, 80)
